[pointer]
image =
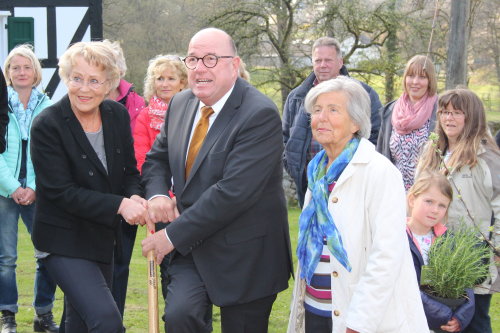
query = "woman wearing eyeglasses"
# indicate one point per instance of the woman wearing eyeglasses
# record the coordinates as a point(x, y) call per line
point(23, 74)
point(166, 76)
point(473, 159)
point(87, 182)
point(408, 121)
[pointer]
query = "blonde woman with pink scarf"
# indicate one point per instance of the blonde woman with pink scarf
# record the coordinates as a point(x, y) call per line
point(166, 76)
point(408, 121)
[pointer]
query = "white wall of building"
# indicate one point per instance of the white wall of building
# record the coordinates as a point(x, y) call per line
point(67, 21)
point(3, 36)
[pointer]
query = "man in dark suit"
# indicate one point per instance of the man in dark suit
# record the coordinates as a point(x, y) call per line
point(229, 230)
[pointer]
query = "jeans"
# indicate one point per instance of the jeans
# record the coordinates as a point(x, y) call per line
point(481, 322)
point(44, 285)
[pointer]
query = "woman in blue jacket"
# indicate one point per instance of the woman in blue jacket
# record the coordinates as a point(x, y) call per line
point(22, 73)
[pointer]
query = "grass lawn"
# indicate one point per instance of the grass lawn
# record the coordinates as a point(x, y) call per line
point(136, 312)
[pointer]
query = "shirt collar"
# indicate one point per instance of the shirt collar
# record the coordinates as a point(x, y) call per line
point(217, 107)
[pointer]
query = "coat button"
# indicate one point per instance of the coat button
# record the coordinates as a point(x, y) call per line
point(336, 313)
point(335, 274)
point(91, 173)
point(118, 150)
point(84, 156)
point(335, 199)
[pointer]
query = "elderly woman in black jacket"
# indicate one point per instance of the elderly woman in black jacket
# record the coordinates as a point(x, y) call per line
point(87, 182)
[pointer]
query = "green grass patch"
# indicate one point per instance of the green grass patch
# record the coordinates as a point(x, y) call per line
point(136, 308)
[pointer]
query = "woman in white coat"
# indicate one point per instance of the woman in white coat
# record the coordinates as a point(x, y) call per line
point(355, 268)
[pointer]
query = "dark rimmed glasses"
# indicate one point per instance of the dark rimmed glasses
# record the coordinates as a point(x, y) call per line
point(454, 114)
point(209, 60)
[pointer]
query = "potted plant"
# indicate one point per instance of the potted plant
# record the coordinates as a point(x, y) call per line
point(457, 261)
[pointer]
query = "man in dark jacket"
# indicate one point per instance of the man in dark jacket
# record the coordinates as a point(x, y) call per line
point(300, 148)
point(4, 109)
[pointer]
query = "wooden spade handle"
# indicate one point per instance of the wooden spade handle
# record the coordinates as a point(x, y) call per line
point(152, 292)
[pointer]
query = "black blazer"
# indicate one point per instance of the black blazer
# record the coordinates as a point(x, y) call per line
point(233, 210)
point(77, 199)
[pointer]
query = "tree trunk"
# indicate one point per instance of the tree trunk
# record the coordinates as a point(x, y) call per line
point(392, 51)
point(390, 71)
point(456, 71)
point(492, 31)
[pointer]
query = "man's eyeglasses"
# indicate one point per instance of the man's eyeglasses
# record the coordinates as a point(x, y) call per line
point(453, 114)
point(210, 60)
point(78, 82)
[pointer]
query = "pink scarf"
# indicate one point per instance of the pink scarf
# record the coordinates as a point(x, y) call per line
point(156, 111)
point(407, 117)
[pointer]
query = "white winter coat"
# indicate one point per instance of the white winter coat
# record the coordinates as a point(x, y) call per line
point(381, 292)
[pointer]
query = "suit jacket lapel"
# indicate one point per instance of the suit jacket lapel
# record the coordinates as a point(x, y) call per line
point(181, 131)
point(76, 129)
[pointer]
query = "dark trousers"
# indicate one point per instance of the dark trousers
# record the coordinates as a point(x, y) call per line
point(188, 305)
point(481, 321)
point(164, 265)
point(120, 269)
point(121, 264)
point(317, 324)
point(89, 305)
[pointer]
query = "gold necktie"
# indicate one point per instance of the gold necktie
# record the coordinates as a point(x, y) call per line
point(200, 132)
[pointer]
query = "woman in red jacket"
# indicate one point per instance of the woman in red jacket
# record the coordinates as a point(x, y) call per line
point(165, 77)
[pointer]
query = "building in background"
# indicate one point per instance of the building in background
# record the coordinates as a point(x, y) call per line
point(50, 26)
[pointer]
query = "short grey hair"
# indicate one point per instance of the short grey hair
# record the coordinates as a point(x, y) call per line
point(358, 101)
point(328, 41)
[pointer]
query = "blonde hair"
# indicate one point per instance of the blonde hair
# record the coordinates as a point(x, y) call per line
point(427, 179)
point(421, 65)
point(474, 134)
point(157, 66)
point(26, 51)
point(96, 54)
point(242, 70)
point(119, 56)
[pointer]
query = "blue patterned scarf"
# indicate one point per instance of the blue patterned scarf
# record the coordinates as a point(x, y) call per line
point(315, 221)
point(23, 116)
